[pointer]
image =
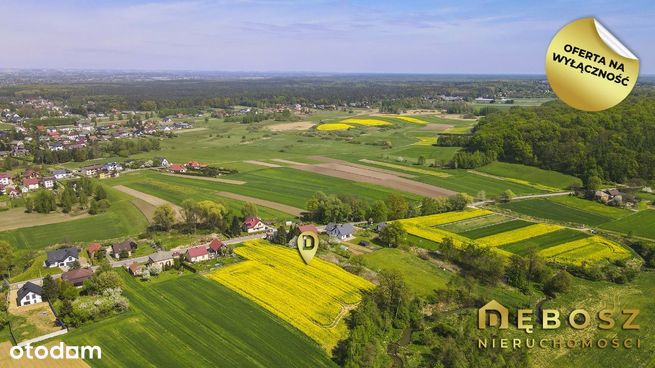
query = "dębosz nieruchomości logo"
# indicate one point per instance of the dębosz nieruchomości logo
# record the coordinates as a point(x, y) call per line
point(494, 314)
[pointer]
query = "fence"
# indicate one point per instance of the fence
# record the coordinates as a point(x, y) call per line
point(42, 337)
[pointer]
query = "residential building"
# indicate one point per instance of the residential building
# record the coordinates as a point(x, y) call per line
point(126, 246)
point(78, 276)
point(64, 257)
point(340, 231)
point(162, 258)
point(197, 254)
point(254, 225)
point(29, 293)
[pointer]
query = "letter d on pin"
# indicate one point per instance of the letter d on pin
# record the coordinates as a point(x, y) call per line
point(307, 245)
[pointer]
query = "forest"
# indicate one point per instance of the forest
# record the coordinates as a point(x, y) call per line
point(613, 145)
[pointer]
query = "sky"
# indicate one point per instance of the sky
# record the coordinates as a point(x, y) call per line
point(441, 37)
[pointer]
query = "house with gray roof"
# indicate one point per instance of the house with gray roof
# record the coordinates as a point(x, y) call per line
point(64, 257)
point(162, 258)
point(29, 293)
point(340, 231)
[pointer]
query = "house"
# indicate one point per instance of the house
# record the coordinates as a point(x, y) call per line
point(77, 277)
point(64, 257)
point(135, 269)
point(601, 196)
point(308, 227)
point(162, 258)
point(31, 183)
point(215, 246)
point(90, 170)
point(93, 248)
point(60, 174)
point(177, 168)
point(613, 192)
point(29, 293)
point(380, 226)
point(126, 246)
point(30, 174)
point(195, 165)
point(340, 231)
point(197, 254)
point(254, 225)
point(49, 182)
point(5, 178)
point(161, 161)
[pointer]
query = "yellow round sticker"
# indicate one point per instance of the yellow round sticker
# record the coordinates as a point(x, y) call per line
point(588, 68)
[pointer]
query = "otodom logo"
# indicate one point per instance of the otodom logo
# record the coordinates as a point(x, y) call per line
point(494, 314)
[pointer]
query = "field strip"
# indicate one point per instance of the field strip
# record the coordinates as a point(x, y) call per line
point(375, 177)
point(407, 168)
point(261, 163)
point(180, 131)
point(226, 181)
point(17, 218)
point(150, 199)
point(335, 161)
point(517, 181)
point(289, 162)
point(262, 202)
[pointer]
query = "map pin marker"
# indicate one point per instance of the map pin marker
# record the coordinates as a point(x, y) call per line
point(307, 245)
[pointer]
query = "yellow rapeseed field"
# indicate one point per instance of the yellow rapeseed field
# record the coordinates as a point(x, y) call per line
point(440, 174)
point(587, 250)
point(314, 298)
point(334, 126)
point(446, 217)
point(411, 119)
point(517, 235)
point(426, 141)
point(370, 122)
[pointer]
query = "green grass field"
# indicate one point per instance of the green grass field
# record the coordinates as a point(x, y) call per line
point(459, 227)
point(194, 322)
point(121, 219)
point(640, 224)
point(495, 229)
point(530, 174)
point(421, 276)
point(544, 241)
point(553, 210)
point(282, 185)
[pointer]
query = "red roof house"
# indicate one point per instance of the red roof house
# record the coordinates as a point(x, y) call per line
point(197, 254)
point(177, 168)
point(93, 248)
point(215, 245)
point(254, 224)
point(308, 227)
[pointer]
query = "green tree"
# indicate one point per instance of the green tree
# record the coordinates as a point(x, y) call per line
point(102, 281)
point(421, 160)
point(249, 210)
point(516, 273)
point(50, 288)
point(164, 217)
point(6, 257)
point(100, 192)
point(213, 214)
point(393, 234)
point(67, 197)
point(190, 212)
point(397, 205)
point(507, 196)
point(559, 283)
point(45, 201)
point(378, 211)
point(83, 198)
point(93, 207)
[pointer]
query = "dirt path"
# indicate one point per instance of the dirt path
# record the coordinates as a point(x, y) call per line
point(342, 313)
point(181, 131)
point(386, 178)
point(288, 162)
point(16, 218)
point(220, 180)
point(261, 163)
point(149, 199)
point(262, 202)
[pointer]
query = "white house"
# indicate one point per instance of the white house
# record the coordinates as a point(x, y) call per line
point(49, 182)
point(197, 254)
point(64, 257)
point(254, 225)
point(29, 293)
point(60, 174)
point(5, 178)
point(340, 231)
point(31, 183)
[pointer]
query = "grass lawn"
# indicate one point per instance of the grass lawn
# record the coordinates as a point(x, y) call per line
point(495, 229)
point(640, 224)
point(121, 219)
point(530, 174)
point(474, 223)
point(552, 210)
point(544, 241)
point(36, 270)
point(193, 322)
point(421, 276)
